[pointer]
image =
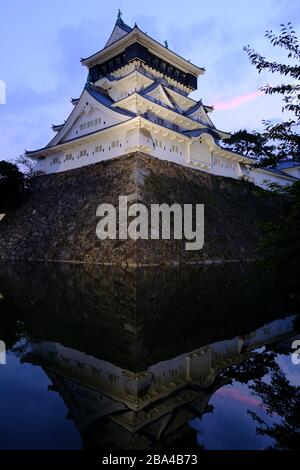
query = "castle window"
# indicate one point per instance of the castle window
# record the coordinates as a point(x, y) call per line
point(115, 143)
point(55, 160)
point(98, 148)
point(155, 61)
point(82, 153)
point(103, 69)
point(68, 157)
point(160, 121)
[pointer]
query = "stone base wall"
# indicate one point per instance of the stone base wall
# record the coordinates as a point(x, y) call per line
point(57, 222)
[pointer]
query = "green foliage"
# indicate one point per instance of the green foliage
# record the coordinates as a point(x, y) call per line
point(280, 140)
point(280, 245)
point(250, 144)
point(26, 166)
point(279, 398)
point(288, 40)
point(276, 394)
point(12, 184)
point(277, 188)
point(253, 368)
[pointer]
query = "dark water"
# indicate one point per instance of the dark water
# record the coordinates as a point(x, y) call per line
point(156, 358)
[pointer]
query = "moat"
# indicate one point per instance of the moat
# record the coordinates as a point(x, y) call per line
point(187, 357)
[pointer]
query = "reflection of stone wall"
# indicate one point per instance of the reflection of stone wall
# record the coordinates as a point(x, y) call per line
point(89, 309)
point(157, 401)
point(58, 220)
point(135, 318)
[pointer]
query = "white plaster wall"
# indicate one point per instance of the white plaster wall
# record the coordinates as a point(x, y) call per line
point(292, 172)
point(225, 167)
point(106, 121)
point(47, 165)
point(223, 350)
point(263, 178)
point(165, 151)
point(200, 153)
point(160, 146)
point(269, 332)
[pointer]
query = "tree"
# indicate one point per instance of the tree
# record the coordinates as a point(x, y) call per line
point(249, 144)
point(281, 243)
point(279, 397)
point(256, 366)
point(12, 186)
point(26, 165)
point(284, 135)
point(267, 381)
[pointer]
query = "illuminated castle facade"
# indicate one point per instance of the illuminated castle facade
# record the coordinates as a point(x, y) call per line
point(137, 99)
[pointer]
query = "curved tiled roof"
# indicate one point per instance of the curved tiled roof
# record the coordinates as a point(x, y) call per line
point(123, 25)
point(101, 97)
point(129, 30)
point(277, 172)
point(285, 164)
point(207, 130)
point(193, 108)
point(105, 99)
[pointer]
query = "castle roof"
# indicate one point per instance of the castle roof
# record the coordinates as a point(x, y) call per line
point(100, 96)
point(215, 133)
point(123, 35)
point(285, 164)
point(277, 172)
point(105, 99)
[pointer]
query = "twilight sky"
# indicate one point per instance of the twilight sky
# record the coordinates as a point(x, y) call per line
point(41, 43)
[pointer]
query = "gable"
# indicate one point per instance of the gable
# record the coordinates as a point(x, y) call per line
point(183, 103)
point(87, 109)
point(201, 115)
point(88, 121)
point(159, 94)
point(116, 34)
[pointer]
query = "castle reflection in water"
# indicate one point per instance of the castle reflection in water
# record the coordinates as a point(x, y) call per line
point(137, 355)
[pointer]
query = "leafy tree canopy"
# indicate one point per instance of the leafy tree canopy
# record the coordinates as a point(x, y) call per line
point(280, 140)
point(11, 186)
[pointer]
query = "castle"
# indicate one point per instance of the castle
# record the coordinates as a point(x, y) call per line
point(113, 406)
point(137, 99)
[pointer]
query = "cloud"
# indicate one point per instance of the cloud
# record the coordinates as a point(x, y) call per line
point(237, 395)
point(237, 101)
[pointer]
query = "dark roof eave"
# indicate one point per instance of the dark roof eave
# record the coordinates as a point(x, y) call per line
point(278, 172)
point(171, 109)
point(115, 109)
point(136, 28)
point(96, 94)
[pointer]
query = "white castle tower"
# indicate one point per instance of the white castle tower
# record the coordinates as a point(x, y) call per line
point(137, 99)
